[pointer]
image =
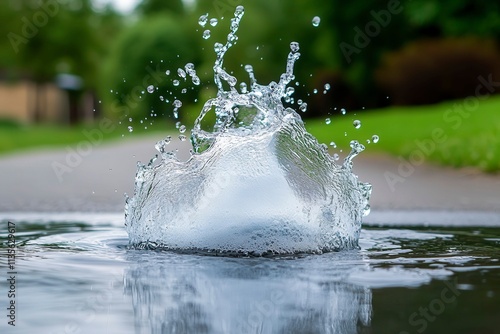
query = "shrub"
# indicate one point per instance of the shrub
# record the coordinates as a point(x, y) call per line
point(430, 71)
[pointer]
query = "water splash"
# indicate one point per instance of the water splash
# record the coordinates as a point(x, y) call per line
point(257, 181)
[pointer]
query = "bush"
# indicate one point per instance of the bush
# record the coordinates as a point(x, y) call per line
point(431, 71)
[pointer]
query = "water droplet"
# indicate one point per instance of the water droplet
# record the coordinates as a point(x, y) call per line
point(175, 82)
point(181, 73)
point(315, 21)
point(182, 129)
point(218, 47)
point(332, 144)
point(177, 103)
point(249, 68)
point(130, 119)
point(213, 22)
point(130, 129)
point(290, 91)
point(327, 86)
point(299, 102)
point(294, 47)
point(196, 80)
point(243, 88)
point(375, 139)
point(328, 121)
point(167, 72)
point(189, 67)
point(162, 98)
point(206, 34)
point(343, 111)
point(184, 91)
point(336, 157)
point(202, 21)
point(151, 89)
point(357, 124)
point(182, 137)
point(303, 107)
point(315, 91)
point(239, 11)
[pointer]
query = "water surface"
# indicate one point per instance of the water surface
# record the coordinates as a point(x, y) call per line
point(76, 274)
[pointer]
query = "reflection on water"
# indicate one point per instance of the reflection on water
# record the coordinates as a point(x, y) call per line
point(246, 295)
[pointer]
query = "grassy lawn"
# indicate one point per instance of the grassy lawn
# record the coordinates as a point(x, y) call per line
point(15, 137)
point(440, 133)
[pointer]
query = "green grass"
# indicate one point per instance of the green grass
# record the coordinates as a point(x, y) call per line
point(15, 137)
point(469, 139)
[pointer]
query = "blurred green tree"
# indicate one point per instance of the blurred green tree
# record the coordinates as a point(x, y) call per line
point(149, 7)
point(47, 38)
point(140, 77)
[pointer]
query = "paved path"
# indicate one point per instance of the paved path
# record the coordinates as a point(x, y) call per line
point(97, 183)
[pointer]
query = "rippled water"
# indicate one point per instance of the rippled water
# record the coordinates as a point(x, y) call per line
point(76, 274)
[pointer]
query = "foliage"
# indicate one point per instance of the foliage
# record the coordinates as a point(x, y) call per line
point(139, 58)
point(150, 7)
point(449, 70)
point(51, 37)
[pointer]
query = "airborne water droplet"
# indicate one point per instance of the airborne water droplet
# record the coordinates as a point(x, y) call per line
point(327, 86)
point(357, 124)
point(177, 103)
point(249, 68)
point(175, 82)
point(151, 89)
point(332, 144)
point(375, 139)
point(202, 21)
point(303, 107)
point(182, 137)
point(130, 129)
point(181, 73)
point(343, 111)
point(243, 88)
point(206, 34)
point(182, 129)
point(213, 22)
point(316, 20)
point(294, 47)
point(218, 47)
point(239, 11)
point(328, 120)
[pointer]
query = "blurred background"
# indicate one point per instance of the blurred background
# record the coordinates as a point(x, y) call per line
point(66, 64)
